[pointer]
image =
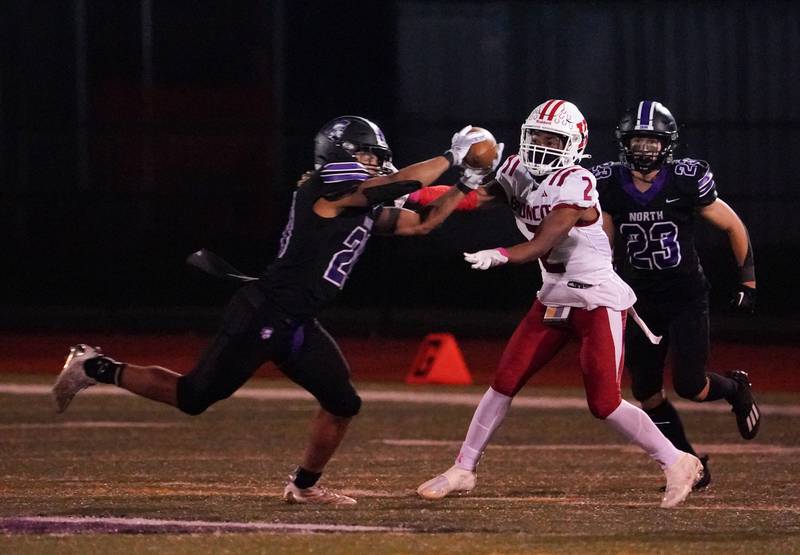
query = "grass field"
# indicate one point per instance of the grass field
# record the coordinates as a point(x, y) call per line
point(554, 480)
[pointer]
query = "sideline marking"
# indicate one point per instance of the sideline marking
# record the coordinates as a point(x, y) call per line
point(710, 448)
point(52, 425)
point(120, 525)
point(415, 397)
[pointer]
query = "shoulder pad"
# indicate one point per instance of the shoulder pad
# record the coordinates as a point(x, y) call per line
point(574, 186)
point(603, 171)
point(336, 172)
point(341, 178)
point(512, 176)
point(696, 178)
point(509, 168)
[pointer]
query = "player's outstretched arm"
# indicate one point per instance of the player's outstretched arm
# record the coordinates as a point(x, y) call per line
point(428, 171)
point(551, 232)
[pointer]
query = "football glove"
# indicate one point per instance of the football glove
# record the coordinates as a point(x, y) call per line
point(461, 141)
point(472, 178)
point(744, 300)
point(483, 260)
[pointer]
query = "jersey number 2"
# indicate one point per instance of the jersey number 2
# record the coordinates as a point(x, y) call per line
point(342, 261)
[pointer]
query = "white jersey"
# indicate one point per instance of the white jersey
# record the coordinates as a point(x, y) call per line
point(578, 271)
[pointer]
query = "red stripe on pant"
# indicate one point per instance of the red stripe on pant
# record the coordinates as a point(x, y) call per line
point(534, 344)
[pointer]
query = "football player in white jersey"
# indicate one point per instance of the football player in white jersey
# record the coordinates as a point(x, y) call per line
point(556, 205)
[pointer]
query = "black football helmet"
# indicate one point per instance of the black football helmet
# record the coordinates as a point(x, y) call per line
point(342, 137)
point(651, 119)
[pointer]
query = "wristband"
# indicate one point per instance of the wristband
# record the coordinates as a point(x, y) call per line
point(504, 252)
point(747, 273)
point(450, 158)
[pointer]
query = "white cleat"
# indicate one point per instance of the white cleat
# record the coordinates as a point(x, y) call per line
point(453, 479)
point(72, 378)
point(681, 476)
point(317, 495)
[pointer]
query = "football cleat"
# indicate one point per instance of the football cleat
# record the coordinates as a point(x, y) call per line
point(73, 378)
point(704, 481)
point(743, 405)
point(453, 479)
point(316, 495)
point(681, 475)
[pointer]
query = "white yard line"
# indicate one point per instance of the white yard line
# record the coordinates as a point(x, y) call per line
point(710, 448)
point(73, 424)
point(416, 397)
point(154, 524)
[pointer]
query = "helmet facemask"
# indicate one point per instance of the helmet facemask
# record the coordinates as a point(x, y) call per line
point(383, 154)
point(643, 160)
point(539, 159)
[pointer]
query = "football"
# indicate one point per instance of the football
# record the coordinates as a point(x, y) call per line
point(482, 154)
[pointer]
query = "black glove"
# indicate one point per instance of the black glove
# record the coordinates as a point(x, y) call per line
point(744, 300)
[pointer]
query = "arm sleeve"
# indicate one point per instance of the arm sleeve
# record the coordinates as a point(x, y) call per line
point(427, 195)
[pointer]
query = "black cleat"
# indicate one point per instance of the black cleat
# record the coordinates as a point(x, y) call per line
point(748, 417)
point(705, 479)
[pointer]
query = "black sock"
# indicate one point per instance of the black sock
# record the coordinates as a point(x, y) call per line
point(720, 387)
point(305, 478)
point(666, 418)
point(104, 369)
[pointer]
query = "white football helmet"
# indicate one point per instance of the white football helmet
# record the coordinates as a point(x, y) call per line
point(554, 116)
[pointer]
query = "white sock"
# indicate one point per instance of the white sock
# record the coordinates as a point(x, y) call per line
point(634, 425)
point(487, 418)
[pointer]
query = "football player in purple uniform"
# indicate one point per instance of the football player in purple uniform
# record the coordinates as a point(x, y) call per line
point(651, 204)
point(334, 211)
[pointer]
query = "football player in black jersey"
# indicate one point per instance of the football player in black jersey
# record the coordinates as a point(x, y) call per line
point(334, 211)
point(650, 205)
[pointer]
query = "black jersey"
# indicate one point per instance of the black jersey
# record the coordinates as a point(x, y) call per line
point(656, 229)
point(317, 254)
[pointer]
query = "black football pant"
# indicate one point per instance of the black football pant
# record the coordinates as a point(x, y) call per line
point(684, 328)
point(253, 331)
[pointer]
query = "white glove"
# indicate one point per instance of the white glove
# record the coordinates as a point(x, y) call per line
point(496, 161)
point(483, 260)
point(461, 141)
point(472, 178)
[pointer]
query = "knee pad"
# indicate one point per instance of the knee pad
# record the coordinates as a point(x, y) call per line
point(191, 399)
point(344, 407)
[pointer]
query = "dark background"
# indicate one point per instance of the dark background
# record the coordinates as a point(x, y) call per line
point(133, 132)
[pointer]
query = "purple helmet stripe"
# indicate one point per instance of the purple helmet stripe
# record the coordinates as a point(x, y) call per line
point(644, 121)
